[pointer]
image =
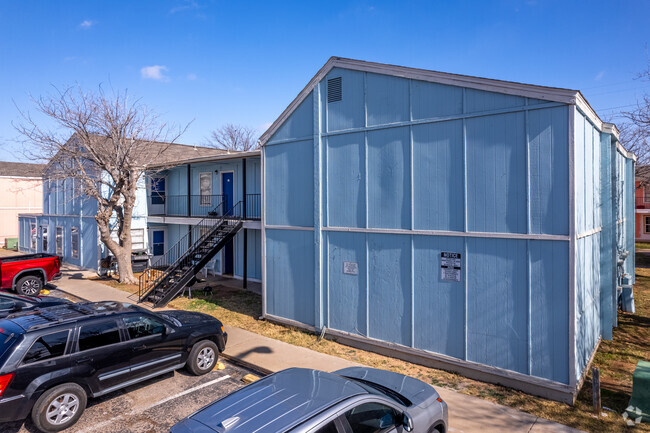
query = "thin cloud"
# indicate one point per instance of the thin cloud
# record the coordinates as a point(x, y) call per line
point(187, 5)
point(599, 76)
point(192, 77)
point(155, 72)
point(86, 24)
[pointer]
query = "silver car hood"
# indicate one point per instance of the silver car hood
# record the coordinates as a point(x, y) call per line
point(418, 392)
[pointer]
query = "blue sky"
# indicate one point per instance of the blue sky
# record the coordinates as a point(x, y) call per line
point(217, 62)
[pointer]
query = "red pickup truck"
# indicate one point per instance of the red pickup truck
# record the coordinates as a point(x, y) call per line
point(27, 274)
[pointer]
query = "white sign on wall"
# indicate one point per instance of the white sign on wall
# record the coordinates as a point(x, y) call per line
point(351, 268)
point(450, 269)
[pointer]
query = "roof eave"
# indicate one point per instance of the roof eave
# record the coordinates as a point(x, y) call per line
point(222, 157)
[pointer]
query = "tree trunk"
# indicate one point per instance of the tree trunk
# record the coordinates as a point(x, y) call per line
point(124, 266)
point(122, 252)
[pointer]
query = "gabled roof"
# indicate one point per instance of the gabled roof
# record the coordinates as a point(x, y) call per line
point(165, 154)
point(21, 169)
point(555, 94)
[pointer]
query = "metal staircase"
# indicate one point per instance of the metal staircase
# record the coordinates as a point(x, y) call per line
point(168, 276)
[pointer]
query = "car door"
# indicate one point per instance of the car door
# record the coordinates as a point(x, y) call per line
point(102, 355)
point(46, 356)
point(156, 346)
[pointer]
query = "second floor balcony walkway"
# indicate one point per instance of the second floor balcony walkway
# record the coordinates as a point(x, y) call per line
point(201, 206)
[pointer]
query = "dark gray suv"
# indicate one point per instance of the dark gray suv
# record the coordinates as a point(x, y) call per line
point(352, 400)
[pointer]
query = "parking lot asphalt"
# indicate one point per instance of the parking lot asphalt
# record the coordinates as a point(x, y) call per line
point(151, 406)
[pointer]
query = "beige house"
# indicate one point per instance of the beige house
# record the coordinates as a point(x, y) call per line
point(21, 191)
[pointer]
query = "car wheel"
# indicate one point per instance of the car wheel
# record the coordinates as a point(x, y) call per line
point(203, 357)
point(59, 408)
point(29, 286)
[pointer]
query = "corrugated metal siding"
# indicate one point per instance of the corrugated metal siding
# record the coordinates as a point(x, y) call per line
point(346, 180)
point(289, 187)
point(300, 124)
point(349, 111)
point(438, 176)
point(389, 193)
point(389, 288)
point(608, 305)
point(496, 173)
point(347, 293)
point(549, 171)
point(549, 333)
point(290, 275)
point(439, 306)
point(497, 303)
point(450, 162)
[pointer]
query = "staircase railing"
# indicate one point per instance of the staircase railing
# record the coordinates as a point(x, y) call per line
point(160, 269)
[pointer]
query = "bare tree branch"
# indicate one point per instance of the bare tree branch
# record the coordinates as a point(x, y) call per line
point(103, 144)
point(234, 138)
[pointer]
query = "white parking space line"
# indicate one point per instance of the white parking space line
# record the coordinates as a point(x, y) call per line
point(158, 403)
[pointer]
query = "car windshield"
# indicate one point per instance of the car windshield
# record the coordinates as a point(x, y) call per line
point(170, 319)
point(375, 388)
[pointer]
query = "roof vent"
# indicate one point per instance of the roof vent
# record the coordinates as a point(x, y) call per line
point(334, 90)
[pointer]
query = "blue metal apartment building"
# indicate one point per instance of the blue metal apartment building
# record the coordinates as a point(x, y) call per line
point(467, 223)
point(474, 225)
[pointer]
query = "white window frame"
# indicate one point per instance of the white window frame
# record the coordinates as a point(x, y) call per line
point(57, 238)
point(45, 238)
point(72, 251)
point(33, 236)
point(205, 199)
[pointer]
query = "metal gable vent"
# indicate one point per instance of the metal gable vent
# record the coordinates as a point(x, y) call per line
point(334, 90)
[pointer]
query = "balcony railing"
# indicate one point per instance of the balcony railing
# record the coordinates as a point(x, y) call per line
point(199, 206)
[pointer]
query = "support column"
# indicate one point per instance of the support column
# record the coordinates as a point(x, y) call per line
point(244, 215)
point(189, 191)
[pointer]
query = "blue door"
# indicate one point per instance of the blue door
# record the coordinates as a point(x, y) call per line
point(228, 202)
point(227, 191)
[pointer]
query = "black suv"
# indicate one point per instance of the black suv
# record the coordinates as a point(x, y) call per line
point(52, 359)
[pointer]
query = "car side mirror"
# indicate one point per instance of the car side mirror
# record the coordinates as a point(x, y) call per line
point(16, 308)
point(167, 330)
point(407, 422)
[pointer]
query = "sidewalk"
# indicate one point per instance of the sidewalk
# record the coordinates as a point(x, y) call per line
point(466, 413)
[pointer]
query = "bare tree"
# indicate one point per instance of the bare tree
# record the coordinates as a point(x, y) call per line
point(234, 138)
point(635, 132)
point(103, 142)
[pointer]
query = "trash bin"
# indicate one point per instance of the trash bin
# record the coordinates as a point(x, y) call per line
point(139, 260)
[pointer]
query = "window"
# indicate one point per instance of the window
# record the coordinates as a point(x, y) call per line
point(372, 418)
point(157, 190)
point(98, 335)
point(74, 242)
point(47, 347)
point(59, 241)
point(330, 427)
point(44, 245)
point(137, 239)
point(646, 221)
point(205, 186)
point(646, 194)
point(158, 243)
point(143, 326)
point(32, 236)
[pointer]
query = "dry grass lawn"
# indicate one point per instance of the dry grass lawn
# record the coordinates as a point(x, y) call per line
point(616, 358)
